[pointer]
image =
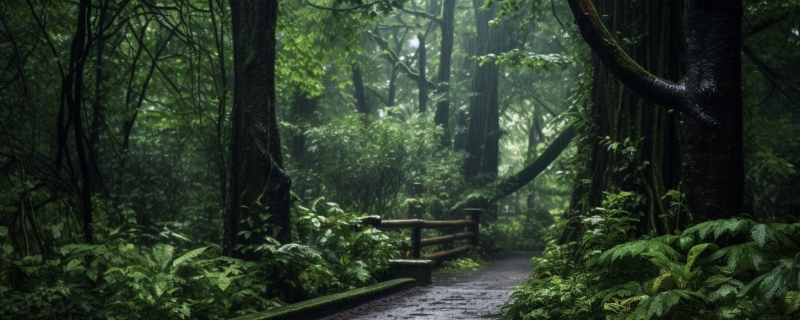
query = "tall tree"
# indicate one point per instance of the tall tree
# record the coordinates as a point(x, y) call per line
point(484, 128)
point(623, 118)
point(709, 98)
point(446, 24)
point(258, 198)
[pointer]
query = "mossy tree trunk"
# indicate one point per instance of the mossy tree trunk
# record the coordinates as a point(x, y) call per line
point(619, 114)
point(709, 100)
point(258, 199)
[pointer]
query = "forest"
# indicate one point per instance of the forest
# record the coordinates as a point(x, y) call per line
point(207, 159)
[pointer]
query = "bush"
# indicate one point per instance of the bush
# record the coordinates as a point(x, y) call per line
point(731, 268)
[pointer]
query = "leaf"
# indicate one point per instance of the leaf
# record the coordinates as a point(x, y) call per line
point(188, 256)
point(636, 248)
point(791, 302)
point(781, 279)
point(695, 251)
point(759, 234)
point(162, 254)
point(92, 274)
point(72, 265)
point(732, 226)
point(723, 292)
point(657, 282)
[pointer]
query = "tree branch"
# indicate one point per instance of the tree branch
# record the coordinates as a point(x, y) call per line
point(423, 15)
point(392, 57)
point(501, 188)
point(631, 74)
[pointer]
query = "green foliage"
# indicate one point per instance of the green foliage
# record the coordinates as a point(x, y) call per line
point(123, 279)
point(672, 276)
point(530, 60)
point(459, 265)
point(551, 297)
point(520, 233)
point(355, 254)
point(367, 163)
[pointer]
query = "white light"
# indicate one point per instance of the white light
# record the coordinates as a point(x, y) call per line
point(413, 42)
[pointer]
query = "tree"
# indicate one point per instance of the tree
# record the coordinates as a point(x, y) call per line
point(638, 150)
point(484, 128)
point(258, 198)
point(442, 117)
point(709, 98)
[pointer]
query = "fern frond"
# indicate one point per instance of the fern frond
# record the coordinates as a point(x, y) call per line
point(739, 257)
point(661, 303)
point(775, 283)
point(162, 254)
point(780, 234)
point(188, 256)
point(637, 247)
point(733, 227)
point(695, 251)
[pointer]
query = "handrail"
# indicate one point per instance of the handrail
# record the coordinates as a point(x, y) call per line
point(471, 231)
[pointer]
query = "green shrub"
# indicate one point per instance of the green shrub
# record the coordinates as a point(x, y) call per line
point(732, 268)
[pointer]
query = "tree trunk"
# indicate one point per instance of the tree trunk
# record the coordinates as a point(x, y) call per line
point(72, 93)
point(483, 131)
point(442, 116)
point(709, 99)
point(361, 98)
point(258, 198)
point(422, 83)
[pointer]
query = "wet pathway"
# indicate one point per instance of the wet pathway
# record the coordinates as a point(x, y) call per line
point(471, 295)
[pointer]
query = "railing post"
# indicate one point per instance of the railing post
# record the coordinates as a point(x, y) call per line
point(474, 214)
point(416, 240)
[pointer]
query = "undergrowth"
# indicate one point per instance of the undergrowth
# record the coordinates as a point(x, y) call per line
point(123, 276)
point(725, 269)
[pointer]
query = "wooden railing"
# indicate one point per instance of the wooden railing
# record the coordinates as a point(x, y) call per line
point(471, 232)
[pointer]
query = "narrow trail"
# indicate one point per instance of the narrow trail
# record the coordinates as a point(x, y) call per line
point(470, 295)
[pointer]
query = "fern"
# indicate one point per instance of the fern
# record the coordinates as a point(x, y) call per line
point(638, 247)
point(777, 282)
point(189, 256)
point(733, 227)
point(738, 258)
point(162, 255)
point(661, 303)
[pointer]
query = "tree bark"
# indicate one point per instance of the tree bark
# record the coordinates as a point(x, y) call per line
point(709, 99)
point(442, 116)
point(361, 98)
point(483, 131)
point(422, 83)
point(258, 198)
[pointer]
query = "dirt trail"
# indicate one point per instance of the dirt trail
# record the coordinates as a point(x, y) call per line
point(471, 295)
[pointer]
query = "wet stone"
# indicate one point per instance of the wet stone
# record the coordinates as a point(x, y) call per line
point(470, 295)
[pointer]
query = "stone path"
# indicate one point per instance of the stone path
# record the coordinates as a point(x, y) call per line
point(471, 295)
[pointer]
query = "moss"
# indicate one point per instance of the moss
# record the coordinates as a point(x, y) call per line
point(330, 304)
